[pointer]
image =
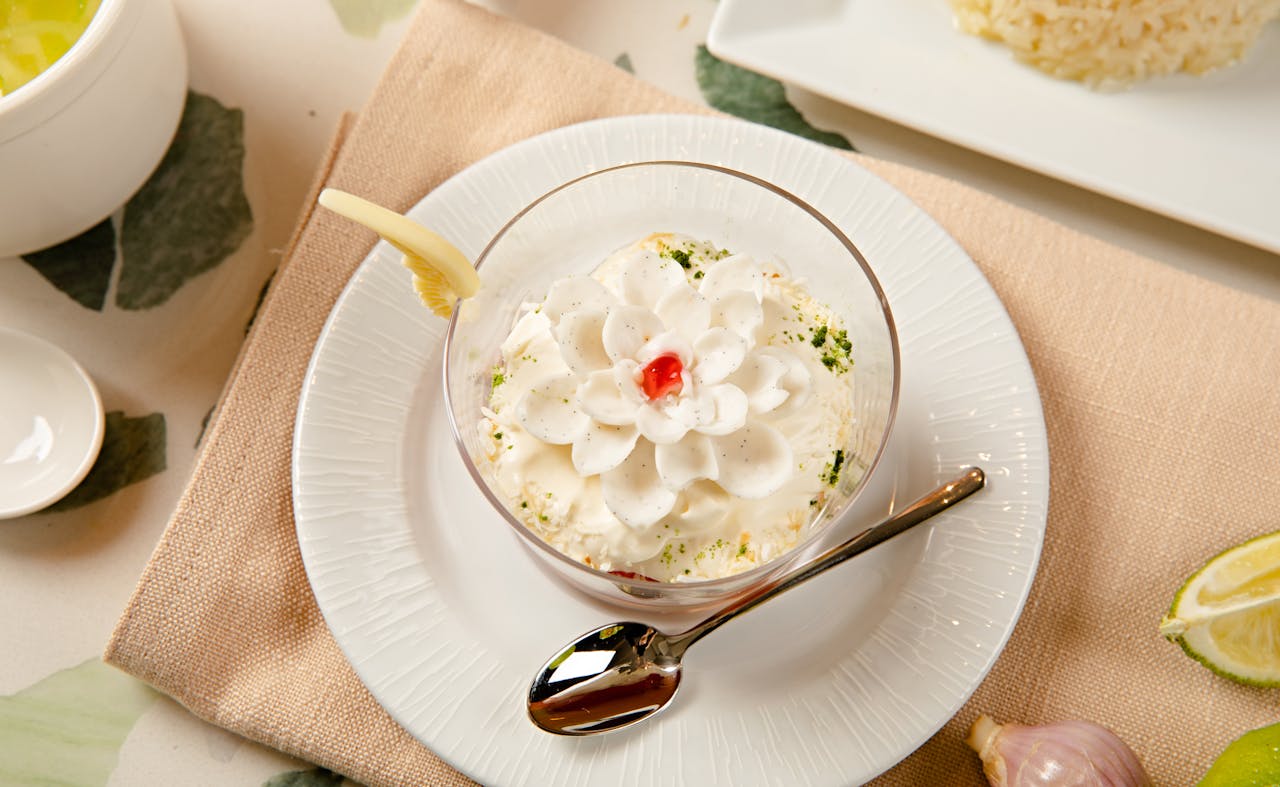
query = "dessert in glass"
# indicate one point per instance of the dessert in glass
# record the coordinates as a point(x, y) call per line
point(675, 378)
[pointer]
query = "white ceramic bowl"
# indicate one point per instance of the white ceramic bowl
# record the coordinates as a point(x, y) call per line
point(78, 140)
point(52, 426)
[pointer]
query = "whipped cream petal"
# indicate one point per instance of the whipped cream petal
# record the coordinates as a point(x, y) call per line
point(760, 379)
point(754, 462)
point(634, 492)
point(680, 464)
point(627, 373)
point(740, 312)
point(696, 407)
point(602, 448)
point(730, 410)
point(732, 274)
point(719, 352)
point(573, 293)
point(578, 335)
point(549, 412)
point(627, 329)
point(797, 381)
point(601, 397)
point(648, 278)
point(658, 426)
point(684, 310)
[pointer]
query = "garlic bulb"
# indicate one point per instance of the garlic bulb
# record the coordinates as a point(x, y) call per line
point(1062, 754)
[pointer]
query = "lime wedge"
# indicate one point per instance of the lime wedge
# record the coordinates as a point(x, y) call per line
point(1227, 615)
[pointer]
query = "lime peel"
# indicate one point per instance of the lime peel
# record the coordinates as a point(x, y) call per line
point(441, 273)
point(1248, 761)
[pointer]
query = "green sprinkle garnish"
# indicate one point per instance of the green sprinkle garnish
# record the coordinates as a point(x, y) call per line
point(498, 379)
point(497, 435)
point(682, 257)
point(698, 274)
point(819, 336)
point(742, 550)
point(831, 473)
point(542, 517)
point(524, 504)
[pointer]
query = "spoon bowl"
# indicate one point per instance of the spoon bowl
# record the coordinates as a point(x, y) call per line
point(609, 678)
point(622, 673)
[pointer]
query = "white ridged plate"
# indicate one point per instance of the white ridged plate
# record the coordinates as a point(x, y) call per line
point(445, 618)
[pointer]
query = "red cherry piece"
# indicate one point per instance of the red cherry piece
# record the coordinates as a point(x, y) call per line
point(662, 376)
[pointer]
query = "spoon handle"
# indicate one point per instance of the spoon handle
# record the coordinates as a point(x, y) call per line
point(935, 502)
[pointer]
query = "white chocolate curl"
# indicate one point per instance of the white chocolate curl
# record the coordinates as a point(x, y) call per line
point(1061, 754)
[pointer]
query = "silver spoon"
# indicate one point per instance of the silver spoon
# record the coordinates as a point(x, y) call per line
point(619, 674)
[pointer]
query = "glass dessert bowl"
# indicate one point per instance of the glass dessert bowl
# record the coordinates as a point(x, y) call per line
point(673, 381)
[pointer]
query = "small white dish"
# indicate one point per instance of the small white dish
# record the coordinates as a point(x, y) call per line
point(52, 426)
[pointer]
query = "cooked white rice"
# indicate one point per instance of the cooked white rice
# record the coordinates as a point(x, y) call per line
point(1113, 43)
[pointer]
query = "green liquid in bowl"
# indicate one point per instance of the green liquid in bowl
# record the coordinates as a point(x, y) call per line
point(35, 33)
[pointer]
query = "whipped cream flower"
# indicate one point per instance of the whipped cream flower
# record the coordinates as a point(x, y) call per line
point(666, 384)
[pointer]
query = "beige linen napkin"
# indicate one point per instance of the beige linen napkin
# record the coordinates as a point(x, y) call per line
point(1160, 393)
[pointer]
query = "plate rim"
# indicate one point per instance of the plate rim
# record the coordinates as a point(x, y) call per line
point(1037, 506)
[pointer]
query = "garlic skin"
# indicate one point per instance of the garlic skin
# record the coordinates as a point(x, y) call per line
point(1061, 754)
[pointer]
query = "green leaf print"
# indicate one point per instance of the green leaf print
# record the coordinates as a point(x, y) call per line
point(133, 449)
point(623, 61)
point(750, 96)
point(68, 728)
point(80, 267)
point(316, 777)
point(365, 18)
point(192, 213)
